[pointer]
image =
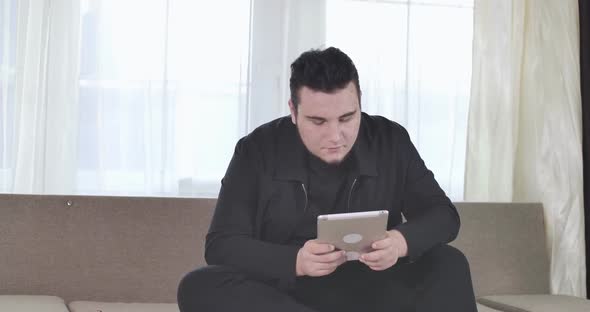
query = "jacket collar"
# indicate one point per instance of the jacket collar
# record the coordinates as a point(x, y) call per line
point(292, 154)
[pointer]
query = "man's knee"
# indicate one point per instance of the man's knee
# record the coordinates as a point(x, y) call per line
point(447, 284)
point(201, 284)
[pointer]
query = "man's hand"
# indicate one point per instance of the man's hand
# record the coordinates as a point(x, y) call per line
point(316, 259)
point(387, 251)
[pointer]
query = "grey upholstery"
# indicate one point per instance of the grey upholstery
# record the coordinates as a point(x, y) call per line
point(89, 306)
point(96, 250)
point(505, 245)
point(482, 308)
point(127, 249)
point(536, 303)
point(22, 303)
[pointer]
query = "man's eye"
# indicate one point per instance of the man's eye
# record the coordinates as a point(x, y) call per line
point(345, 119)
point(318, 122)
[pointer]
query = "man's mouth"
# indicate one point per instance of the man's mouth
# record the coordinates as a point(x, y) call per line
point(334, 149)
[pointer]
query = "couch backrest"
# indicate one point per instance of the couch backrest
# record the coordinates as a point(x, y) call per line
point(136, 249)
point(506, 247)
point(127, 249)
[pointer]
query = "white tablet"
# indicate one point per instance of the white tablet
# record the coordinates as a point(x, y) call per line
point(353, 232)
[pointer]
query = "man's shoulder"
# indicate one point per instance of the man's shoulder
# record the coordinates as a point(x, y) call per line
point(266, 137)
point(379, 126)
point(385, 138)
point(271, 130)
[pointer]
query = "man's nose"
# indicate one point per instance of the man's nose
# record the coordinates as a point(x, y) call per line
point(334, 132)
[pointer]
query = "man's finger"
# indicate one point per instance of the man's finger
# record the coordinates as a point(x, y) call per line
point(328, 257)
point(377, 268)
point(371, 263)
point(383, 243)
point(319, 248)
point(374, 256)
point(324, 266)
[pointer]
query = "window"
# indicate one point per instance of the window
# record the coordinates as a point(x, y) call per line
point(167, 87)
point(414, 68)
point(163, 86)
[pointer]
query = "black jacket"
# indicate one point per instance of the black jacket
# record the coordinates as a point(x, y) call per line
point(263, 196)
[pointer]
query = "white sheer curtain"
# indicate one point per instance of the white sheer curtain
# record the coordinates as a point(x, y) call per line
point(150, 101)
point(524, 140)
point(39, 127)
point(281, 31)
point(419, 76)
point(7, 81)
point(157, 92)
point(163, 98)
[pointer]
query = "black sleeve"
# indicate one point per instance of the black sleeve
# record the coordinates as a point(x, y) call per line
point(231, 239)
point(432, 219)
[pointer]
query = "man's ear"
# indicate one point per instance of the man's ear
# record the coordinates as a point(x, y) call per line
point(293, 112)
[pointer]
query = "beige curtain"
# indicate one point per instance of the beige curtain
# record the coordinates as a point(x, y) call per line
point(524, 132)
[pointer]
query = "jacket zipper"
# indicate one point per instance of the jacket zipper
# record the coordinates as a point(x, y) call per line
point(304, 191)
point(350, 193)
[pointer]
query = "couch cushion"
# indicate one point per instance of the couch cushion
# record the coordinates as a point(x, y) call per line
point(88, 306)
point(536, 303)
point(93, 306)
point(20, 303)
point(482, 308)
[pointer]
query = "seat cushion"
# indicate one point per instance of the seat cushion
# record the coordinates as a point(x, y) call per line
point(536, 303)
point(92, 306)
point(21, 303)
point(482, 308)
point(87, 306)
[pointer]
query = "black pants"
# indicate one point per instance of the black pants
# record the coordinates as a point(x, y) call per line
point(438, 281)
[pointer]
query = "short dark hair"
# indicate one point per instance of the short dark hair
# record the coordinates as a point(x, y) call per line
point(322, 70)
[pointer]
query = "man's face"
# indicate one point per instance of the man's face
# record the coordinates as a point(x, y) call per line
point(328, 123)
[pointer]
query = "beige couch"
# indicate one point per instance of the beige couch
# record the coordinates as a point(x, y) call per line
point(127, 254)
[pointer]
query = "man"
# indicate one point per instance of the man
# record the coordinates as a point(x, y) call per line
point(328, 157)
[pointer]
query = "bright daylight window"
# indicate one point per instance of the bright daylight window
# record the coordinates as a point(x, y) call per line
point(163, 86)
point(414, 62)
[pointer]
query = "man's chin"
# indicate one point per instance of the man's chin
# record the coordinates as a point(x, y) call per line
point(332, 159)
